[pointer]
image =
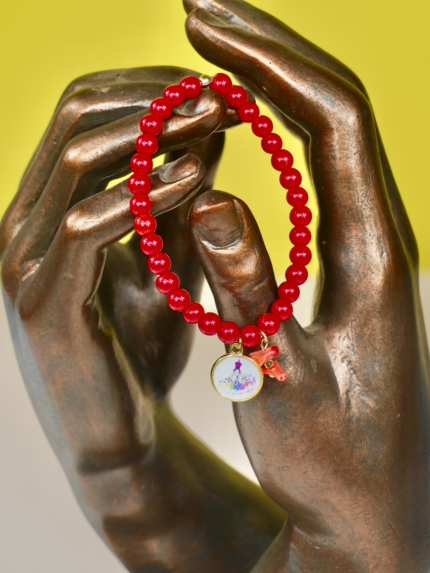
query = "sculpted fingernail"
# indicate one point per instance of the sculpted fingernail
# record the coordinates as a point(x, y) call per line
point(217, 219)
point(210, 19)
point(180, 169)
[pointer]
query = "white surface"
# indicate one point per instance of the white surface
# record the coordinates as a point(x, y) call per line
point(42, 529)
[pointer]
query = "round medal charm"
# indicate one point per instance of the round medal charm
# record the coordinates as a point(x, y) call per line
point(237, 377)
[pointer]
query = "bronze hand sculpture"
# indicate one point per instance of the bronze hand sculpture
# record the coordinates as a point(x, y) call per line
point(343, 446)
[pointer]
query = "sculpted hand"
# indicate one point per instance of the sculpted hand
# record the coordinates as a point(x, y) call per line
point(98, 346)
point(343, 444)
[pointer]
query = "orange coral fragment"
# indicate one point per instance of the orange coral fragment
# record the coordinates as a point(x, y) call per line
point(275, 372)
point(263, 356)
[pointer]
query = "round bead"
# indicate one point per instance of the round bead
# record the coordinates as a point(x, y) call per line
point(301, 215)
point(290, 178)
point(210, 323)
point(262, 126)
point(282, 308)
point(192, 87)
point(178, 299)
point(140, 204)
point(150, 123)
point(289, 290)
point(193, 312)
point(147, 143)
point(282, 160)
point(167, 282)
point(300, 255)
point(228, 332)
point(159, 263)
point(271, 143)
point(151, 244)
point(297, 197)
point(139, 184)
point(161, 108)
point(145, 224)
point(221, 84)
point(175, 95)
point(250, 335)
point(269, 323)
point(248, 112)
point(297, 274)
point(236, 96)
point(300, 235)
point(141, 163)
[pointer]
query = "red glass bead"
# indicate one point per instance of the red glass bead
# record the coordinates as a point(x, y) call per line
point(248, 111)
point(159, 263)
point(147, 143)
point(250, 335)
point(140, 204)
point(192, 87)
point(221, 84)
point(301, 215)
point(236, 96)
point(271, 143)
point(175, 95)
point(262, 126)
point(210, 323)
point(150, 123)
point(178, 299)
point(167, 282)
point(290, 178)
point(145, 224)
point(289, 290)
point(141, 163)
point(300, 235)
point(282, 308)
point(151, 244)
point(161, 108)
point(297, 197)
point(139, 184)
point(193, 312)
point(297, 274)
point(300, 255)
point(282, 160)
point(228, 332)
point(269, 323)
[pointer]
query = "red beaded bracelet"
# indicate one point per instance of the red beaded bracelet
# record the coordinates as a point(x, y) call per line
point(234, 376)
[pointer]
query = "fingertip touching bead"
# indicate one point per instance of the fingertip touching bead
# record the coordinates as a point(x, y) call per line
point(139, 184)
point(300, 235)
point(147, 143)
point(262, 126)
point(145, 224)
point(282, 309)
point(141, 163)
point(301, 216)
point(269, 323)
point(282, 160)
point(250, 335)
point(290, 178)
point(192, 87)
point(297, 274)
point(150, 123)
point(221, 83)
point(175, 95)
point(178, 299)
point(159, 263)
point(271, 143)
point(297, 197)
point(151, 244)
point(161, 107)
point(248, 112)
point(300, 255)
point(228, 332)
point(236, 96)
point(289, 290)
point(193, 312)
point(209, 324)
point(140, 204)
point(167, 282)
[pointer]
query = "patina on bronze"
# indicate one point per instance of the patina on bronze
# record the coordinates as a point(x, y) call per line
point(343, 444)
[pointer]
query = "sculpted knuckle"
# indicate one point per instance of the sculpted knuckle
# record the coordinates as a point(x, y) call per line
point(74, 156)
point(75, 224)
point(73, 106)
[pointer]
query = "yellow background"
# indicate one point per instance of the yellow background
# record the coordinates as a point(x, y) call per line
point(47, 43)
